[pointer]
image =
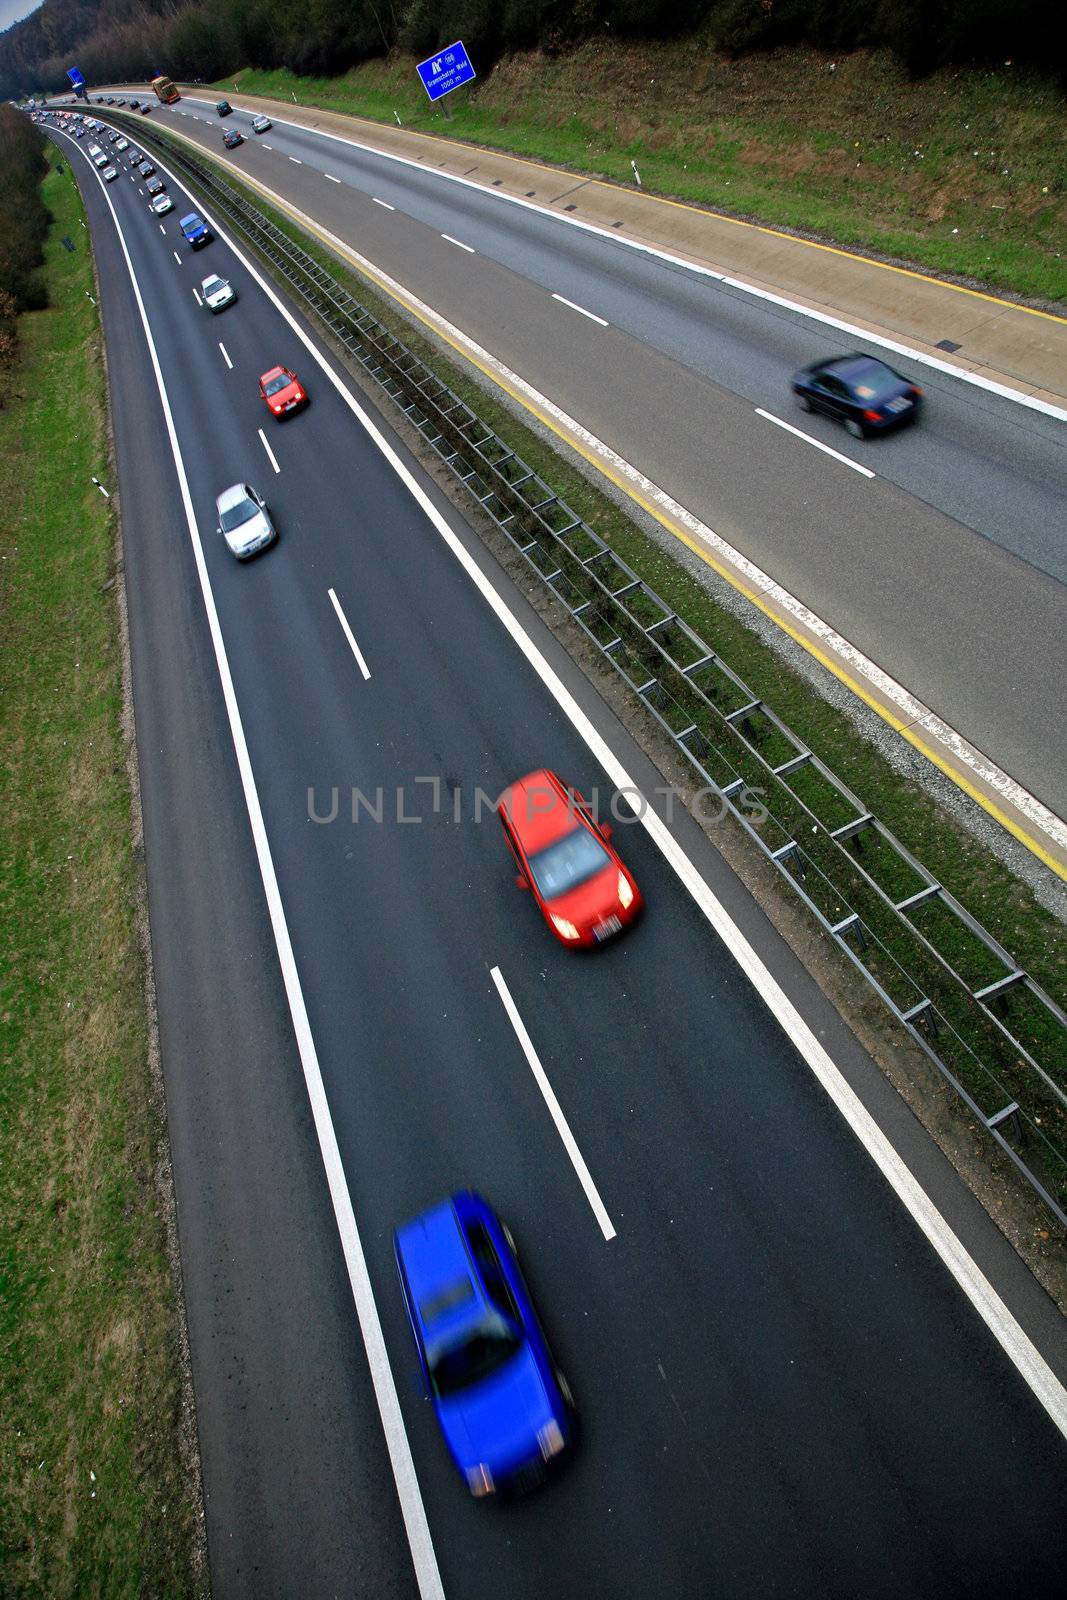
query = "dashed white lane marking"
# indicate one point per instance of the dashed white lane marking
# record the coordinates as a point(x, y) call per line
point(270, 453)
point(296, 161)
point(562, 298)
point(196, 296)
point(383, 203)
point(268, 147)
point(177, 257)
point(799, 433)
point(459, 243)
point(570, 1144)
point(226, 358)
point(349, 635)
point(331, 177)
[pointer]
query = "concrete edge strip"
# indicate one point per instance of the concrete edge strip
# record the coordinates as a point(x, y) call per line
point(833, 651)
point(829, 319)
point(413, 1511)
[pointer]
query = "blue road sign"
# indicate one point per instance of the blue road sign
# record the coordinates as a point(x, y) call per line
point(446, 71)
point(74, 74)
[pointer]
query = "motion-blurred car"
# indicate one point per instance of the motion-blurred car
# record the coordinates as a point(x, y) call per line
point(261, 124)
point(244, 521)
point(860, 391)
point(232, 138)
point(196, 230)
point(155, 186)
point(146, 169)
point(162, 204)
point(583, 890)
point(282, 390)
point(504, 1407)
point(109, 174)
point(217, 294)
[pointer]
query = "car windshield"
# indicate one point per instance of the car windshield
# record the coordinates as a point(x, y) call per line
point(281, 380)
point(568, 862)
point(234, 516)
point(480, 1351)
point(213, 285)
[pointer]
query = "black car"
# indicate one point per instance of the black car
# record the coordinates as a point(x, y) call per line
point(155, 186)
point(860, 391)
point(223, 107)
point(232, 138)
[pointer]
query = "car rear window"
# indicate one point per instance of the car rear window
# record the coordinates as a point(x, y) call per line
point(871, 381)
point(456, 1294)
point(481, 1351)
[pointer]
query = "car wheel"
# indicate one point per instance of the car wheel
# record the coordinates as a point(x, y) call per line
point(854, 428)
point(803, 402)
point(565, 1390)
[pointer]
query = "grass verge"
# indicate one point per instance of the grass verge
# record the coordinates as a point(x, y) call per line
point(93, 1497)
point(964, 174)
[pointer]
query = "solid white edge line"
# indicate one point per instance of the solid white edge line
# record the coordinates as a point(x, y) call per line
point(555, 1110)
point(273, 458)
point(225, 355)
point(1019, 1348)
point(459, 244)
point(349, 635)
point(807, 438)
point(562, 298)
point(383, 203)
point(413, 1511)
point(828, 319)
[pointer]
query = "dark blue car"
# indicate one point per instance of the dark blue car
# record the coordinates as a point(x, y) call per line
point(860, 391)
point(504, 1408)
point(195, 230)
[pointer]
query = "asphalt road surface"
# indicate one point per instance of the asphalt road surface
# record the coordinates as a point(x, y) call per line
point(947, 569)
point(782, 1391)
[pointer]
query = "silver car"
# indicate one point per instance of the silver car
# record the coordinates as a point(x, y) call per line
point(244, 521)
point(217, 293)
point(261, 124)
point(162, 204)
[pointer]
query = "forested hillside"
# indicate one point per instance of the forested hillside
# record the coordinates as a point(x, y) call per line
point(127, 40)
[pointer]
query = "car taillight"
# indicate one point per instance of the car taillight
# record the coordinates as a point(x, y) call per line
point(871, 416)
point(916, 391)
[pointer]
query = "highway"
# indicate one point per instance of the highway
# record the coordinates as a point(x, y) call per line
point(947, 569)
point(782, 1390)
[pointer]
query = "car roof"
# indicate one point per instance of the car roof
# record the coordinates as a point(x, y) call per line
point(437, 1265)
point(526, 803)
point(232, 496)
point(855, 365)
point(192, 217)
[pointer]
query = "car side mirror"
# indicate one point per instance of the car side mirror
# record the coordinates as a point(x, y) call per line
point(520, 881)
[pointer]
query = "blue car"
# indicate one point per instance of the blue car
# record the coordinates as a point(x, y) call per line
point(505, 1409)
point(195, 230)
point(860, 391)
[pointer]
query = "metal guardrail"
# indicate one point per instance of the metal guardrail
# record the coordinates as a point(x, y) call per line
point(992, 1032)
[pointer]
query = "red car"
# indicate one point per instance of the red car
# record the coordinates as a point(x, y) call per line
point(585, 893)
point(282, 390)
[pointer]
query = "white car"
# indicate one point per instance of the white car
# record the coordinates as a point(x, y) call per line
point(109, 174)
point(122, 144)
point(162, 204)
point(244, 522)
point(217, 293)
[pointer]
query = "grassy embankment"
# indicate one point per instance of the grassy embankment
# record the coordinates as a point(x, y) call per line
point(963, 174)
point(93, 1500)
